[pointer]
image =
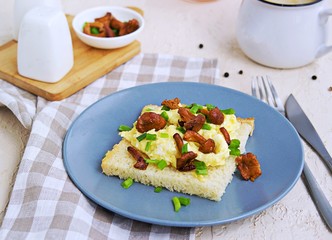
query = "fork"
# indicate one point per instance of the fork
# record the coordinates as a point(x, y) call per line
point(263, 89)
point(267, 92)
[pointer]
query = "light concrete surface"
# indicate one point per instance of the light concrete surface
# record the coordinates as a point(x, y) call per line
point(13, 138)
point(178, 27)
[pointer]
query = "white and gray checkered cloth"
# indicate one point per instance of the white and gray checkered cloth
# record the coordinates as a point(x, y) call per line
point(44, 203)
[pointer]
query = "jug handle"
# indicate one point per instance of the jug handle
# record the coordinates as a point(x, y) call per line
point(323, 17)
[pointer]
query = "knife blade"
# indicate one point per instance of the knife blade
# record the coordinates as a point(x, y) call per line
point(304, 127)
point(320, 200)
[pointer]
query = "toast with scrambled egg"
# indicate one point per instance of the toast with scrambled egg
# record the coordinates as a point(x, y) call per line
point(218, 161)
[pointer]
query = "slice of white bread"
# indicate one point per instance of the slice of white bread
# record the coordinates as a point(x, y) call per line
point(118, 162)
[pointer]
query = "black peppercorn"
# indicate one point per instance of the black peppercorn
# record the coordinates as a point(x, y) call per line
point(226, 74)
point(314, 77)
point(240, 72)
point(200, 45)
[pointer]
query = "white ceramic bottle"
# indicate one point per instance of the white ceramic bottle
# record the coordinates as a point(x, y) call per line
point(21, 7)
point(45, 51)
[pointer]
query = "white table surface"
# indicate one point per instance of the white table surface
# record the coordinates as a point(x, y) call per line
point(178, 27)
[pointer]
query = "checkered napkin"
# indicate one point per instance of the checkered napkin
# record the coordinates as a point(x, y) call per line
point(44, 203)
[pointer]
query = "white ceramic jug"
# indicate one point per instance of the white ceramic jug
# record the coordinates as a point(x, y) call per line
point(280, 35)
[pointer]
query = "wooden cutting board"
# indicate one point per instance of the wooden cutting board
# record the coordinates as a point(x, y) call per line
point(89, 65)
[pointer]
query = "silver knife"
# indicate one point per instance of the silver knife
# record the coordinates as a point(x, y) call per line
point(295, 115)
point(307, 131)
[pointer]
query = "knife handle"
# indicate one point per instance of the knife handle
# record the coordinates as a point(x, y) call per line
point(318, 196)
point(321, 150)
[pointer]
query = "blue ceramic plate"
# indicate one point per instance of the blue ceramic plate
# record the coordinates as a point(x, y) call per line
point(275, 142)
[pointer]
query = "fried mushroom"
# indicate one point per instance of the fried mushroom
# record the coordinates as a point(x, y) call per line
point(139, 157)
point(226, 135)
point(186, 161)
point(150, 120)
point(215, 116)
point(171, 103)
point(191, 121)
point(206, 145)
point(248, 166)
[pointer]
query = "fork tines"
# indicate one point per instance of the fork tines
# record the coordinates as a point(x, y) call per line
point(263, 89)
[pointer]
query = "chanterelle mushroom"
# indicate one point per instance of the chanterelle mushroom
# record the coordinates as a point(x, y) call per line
point(150, 120)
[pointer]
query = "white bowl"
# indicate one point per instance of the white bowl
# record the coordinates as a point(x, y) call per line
point(121, 13)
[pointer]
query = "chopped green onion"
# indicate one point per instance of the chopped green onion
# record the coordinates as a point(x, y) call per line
point(164, 135)
point(147, 146)
point(94, 30)
point(148, 109)
point(200, 164)
point(124, 128)
point(162, 164)
point(210, 106)
point(153, 161)
point(235, 143)
point(165, 108)
point(201, 168)
point(195, 107)
point(127, 183)
point(141, 137)
point(184, 201)
point(116, 31)
point(150, 136)
point(201, 171)
point(234, 147)
point(164, 115)
point(180, 201)
point(235, 152)
point(158, 189)
point(228, 111)
point(184, 148)
point(181, 130)
point(176, 204)
point(206, 126)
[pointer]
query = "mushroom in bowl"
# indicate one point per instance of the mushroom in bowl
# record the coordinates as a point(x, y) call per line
point(108, 27)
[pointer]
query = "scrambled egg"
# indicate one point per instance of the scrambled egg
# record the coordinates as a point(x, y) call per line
point(164, 146)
